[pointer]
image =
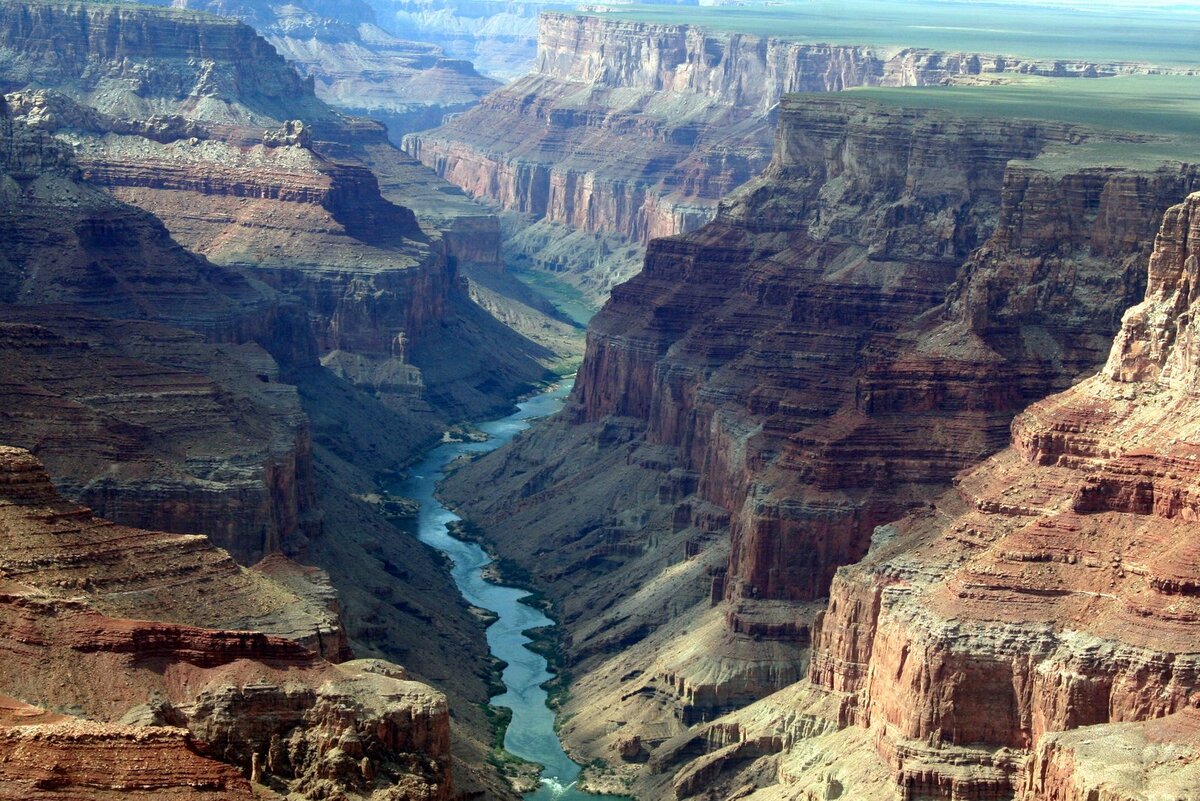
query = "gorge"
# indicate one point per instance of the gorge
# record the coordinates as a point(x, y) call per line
point(873, 477)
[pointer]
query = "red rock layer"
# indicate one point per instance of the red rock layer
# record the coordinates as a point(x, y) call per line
point(58, 546)
point(76, 760)
point(79, 598)
point(639, 129)
point(1054, 590)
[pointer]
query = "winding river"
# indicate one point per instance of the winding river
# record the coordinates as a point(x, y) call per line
point(531, 734)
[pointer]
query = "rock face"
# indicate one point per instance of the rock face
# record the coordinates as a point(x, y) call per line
point(856, 327)
point(50, 756)
point(637, 130)
point(209, 142)
point(99, 618)
point(498, 36)
point(357, 66)
point(114, 373)
point(1051, 591)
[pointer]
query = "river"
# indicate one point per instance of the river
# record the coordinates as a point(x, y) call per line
point(531, 733)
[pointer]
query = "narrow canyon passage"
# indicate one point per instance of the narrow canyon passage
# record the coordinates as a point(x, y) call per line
point(531, 734)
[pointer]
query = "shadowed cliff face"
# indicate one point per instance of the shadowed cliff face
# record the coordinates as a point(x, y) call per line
point(141, 372)
point(149, 379)
point(857, 326)
point(179, 131)
point(178, 660)
point(628, 131)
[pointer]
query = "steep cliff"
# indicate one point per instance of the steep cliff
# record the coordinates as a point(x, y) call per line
point(856, 327)
point(110, 332)
point(136, 630)
point(638, 129)
point(221, 139)
point(358, 67)
point(173, 393)
point(1032, 634)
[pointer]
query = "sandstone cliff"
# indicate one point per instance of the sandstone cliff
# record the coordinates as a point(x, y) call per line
point(135, 631)
point(1032, 633)
point(856, 327)
point(232, 150)
point(637, 130)
point(358, 67)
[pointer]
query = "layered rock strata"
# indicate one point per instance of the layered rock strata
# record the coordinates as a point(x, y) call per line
point(245, 165)
point(855, 328)
point(637, 130)
point(171, 392)
point(357, 66)
point(98, 303)
point(1032, 634)
point(135, 631)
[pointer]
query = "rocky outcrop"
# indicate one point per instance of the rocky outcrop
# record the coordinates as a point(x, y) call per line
point(234, 174)
point(52, 759)
point(1058, 570)
point(638, 129)
point(357, 66)
point(856, 327)
point(99, 618)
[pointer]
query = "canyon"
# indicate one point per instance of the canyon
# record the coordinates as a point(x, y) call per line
point(357, 66)
point(624, 131)
point(876, 478)
point(770, 394)
point(211, 314)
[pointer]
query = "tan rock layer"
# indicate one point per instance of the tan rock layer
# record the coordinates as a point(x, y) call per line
point(264, 703)
point(1054, 590)
point(639, 129)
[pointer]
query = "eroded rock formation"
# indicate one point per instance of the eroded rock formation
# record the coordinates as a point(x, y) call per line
point(856, 327)
point(136, 630)
point(174, 393)
point(626, 131)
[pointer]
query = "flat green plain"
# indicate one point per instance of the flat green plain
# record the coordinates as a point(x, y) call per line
point(1165, 107)
point(1163, 35)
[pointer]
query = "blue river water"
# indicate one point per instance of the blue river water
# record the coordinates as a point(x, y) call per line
point(531, 733)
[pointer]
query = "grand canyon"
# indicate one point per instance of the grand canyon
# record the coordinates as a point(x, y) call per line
point(470, 399)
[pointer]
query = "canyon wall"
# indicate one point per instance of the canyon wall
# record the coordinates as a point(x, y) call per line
point(245, 165)
point(111, 332)
point(357, 66)
point(1053, 590)
point(637, 130)
point(174, 391)
point(144, 640)
point(857, 326)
